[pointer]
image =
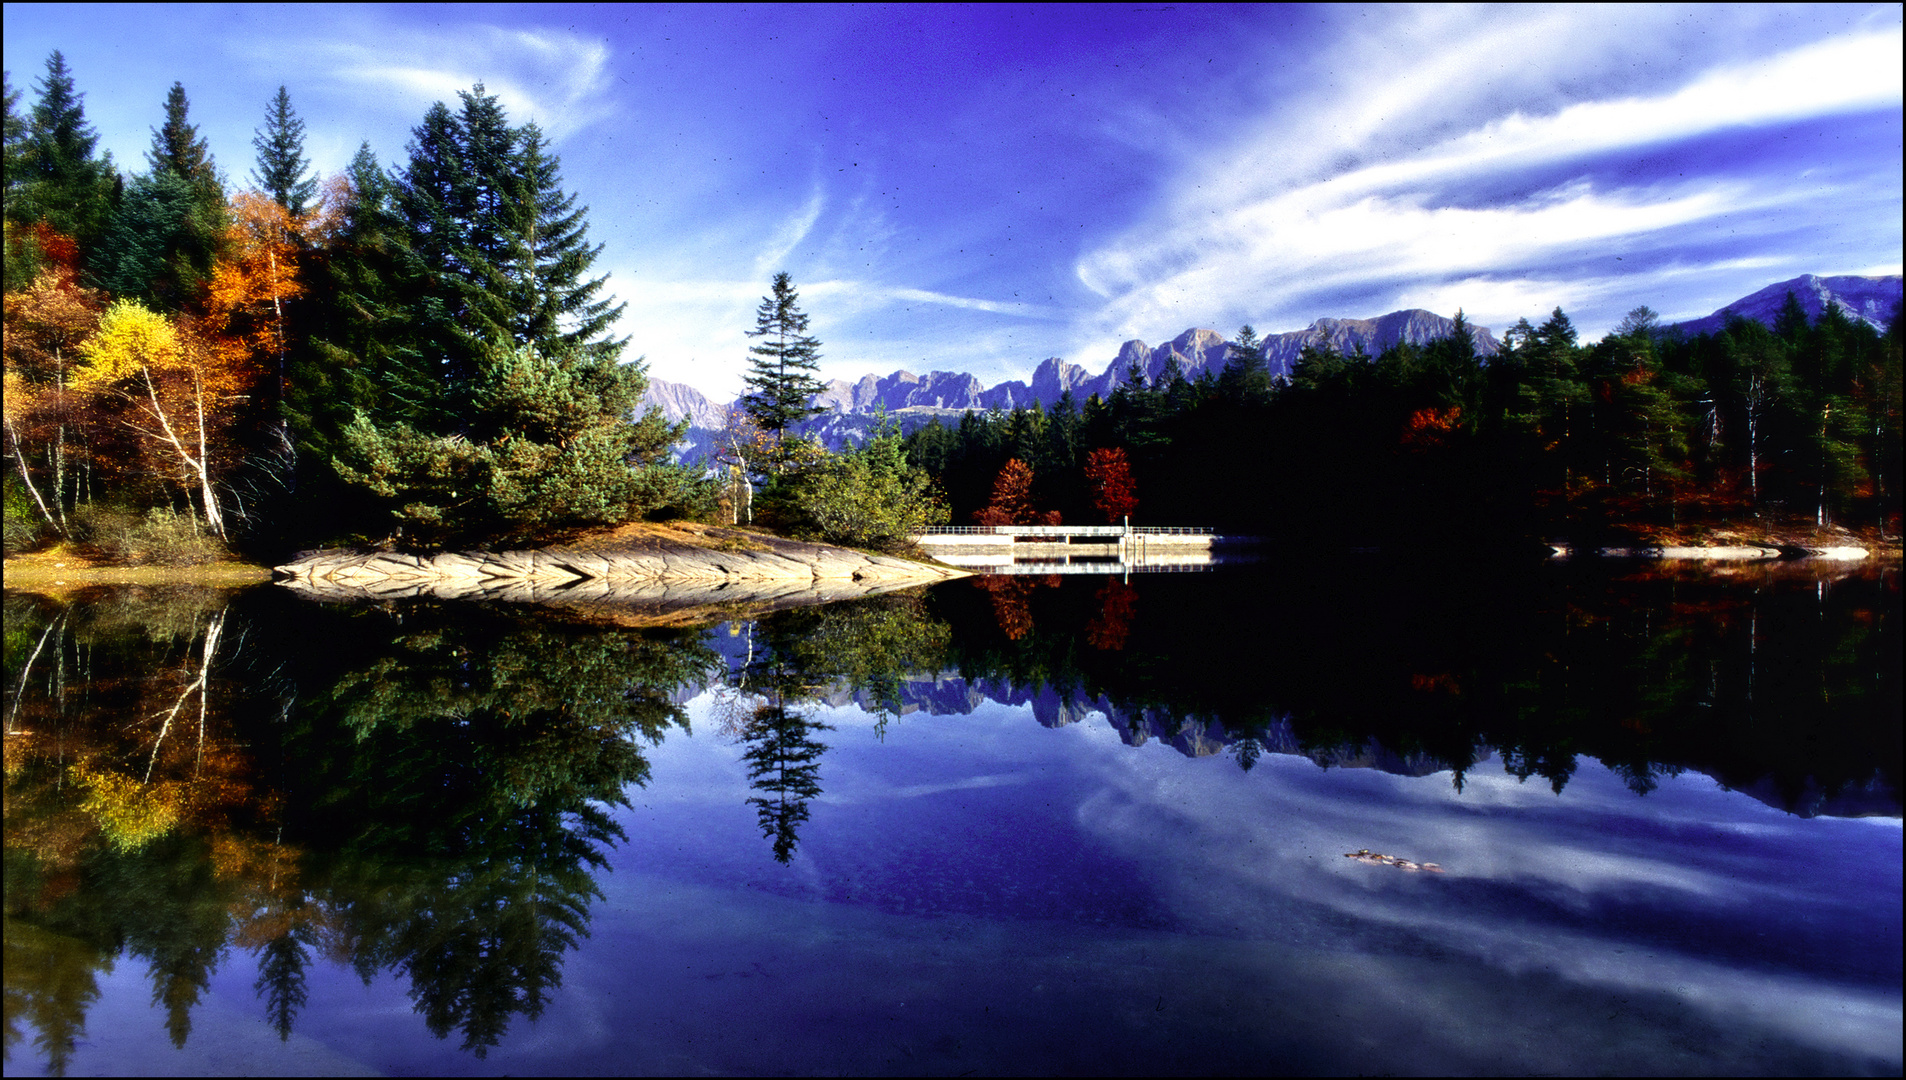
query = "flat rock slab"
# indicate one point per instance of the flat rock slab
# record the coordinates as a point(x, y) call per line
point(671, 579)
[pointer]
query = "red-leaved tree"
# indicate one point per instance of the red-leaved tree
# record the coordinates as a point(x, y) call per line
point(1012, 499)
point(1109, 474)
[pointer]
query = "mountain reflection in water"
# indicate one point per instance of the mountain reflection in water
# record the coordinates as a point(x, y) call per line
point(434, 792)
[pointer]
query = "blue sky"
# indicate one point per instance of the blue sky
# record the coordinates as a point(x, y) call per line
point(978, 188)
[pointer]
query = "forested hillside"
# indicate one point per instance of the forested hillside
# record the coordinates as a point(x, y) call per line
point(1650, 431)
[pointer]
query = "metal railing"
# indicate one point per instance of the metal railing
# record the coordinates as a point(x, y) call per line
point(1064, 530)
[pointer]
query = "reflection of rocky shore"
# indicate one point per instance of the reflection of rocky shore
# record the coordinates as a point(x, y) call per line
point(658, 580)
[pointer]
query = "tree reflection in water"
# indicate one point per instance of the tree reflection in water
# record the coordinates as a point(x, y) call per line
point(867, 648)
point(784, 766)
point(423, 790)
point(1782, 679)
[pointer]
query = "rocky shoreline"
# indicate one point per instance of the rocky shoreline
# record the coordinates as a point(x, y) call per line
point(1723, 552)
point(670, 576)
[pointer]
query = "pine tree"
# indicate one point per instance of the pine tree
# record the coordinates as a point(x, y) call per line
point(1246, 376)
point(13, 157)
point(359, 352)
point(282, 167)
point(782, 369)
point(22, 247)
point(60, 179)
point(515, 416)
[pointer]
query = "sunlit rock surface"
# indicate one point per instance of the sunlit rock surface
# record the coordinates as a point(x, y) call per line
point(670, 579)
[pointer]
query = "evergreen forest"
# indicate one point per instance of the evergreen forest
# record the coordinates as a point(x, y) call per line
point(1646, 434)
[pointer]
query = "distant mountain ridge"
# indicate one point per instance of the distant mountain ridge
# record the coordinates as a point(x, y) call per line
point(914, 400)
point(1868, 299)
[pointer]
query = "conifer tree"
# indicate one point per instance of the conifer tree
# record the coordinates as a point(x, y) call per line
point(358, 352)
point(782, 369)
point(1246, 377)
point(282, 168)
point(13, 156)
point(507, 414)
point(60, 180)
point(163, 237)
point(177, 147)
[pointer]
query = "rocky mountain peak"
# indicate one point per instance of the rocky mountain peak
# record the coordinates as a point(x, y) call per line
point(1868, 299)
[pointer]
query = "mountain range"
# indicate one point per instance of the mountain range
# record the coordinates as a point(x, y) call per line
point(914, 400)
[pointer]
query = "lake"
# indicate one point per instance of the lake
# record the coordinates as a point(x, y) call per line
point(1342, 817)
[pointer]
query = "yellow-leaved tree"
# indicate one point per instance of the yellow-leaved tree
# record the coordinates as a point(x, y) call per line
point(181, 395)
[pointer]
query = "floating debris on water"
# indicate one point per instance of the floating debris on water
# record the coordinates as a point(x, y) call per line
point(1365, 855)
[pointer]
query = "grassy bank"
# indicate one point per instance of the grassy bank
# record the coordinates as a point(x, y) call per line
point(64, 566)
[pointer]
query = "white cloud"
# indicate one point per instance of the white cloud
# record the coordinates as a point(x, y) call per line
point(555, 78)
point(1329, 198)
point(775, 252)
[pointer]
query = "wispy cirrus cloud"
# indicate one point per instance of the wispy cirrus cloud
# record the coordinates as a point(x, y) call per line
point(695, 330)
point(556, 78)
point(1412, 184)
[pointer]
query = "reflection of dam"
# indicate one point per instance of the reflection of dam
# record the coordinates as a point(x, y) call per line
point(1073, 549)
point(991, 563)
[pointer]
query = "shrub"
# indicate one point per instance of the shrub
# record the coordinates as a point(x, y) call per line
point(868, 498)
point(24, 525)
point(161, 536)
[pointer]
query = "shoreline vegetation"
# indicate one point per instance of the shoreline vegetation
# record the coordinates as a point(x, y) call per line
point(702, 552)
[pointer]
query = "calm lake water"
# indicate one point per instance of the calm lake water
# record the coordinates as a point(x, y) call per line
point(1013, 824)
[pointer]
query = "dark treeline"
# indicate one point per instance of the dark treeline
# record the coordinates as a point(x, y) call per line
point(1645, 431)
point(420, 353)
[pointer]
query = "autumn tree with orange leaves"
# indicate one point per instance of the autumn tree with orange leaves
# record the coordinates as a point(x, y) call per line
point(45, 326)
point(1012, 499)
point(252, 283)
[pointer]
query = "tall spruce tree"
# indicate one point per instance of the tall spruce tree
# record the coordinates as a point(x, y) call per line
point(60, 180)
point(166, 231)
point(1246, 376)
point(283, 171)
point(22, 248)
point(177, 147)
point(13, 157)
point(782, 369)
point(512, 415)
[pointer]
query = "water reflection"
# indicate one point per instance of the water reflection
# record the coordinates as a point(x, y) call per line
point(433, 791)
point(1783, 681)
point(424, 791)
